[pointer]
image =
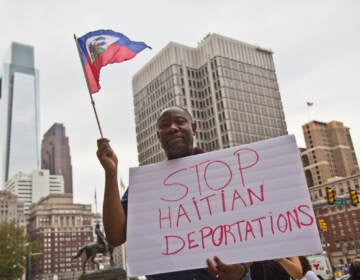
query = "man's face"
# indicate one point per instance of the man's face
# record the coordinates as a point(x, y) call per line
point(175, 132)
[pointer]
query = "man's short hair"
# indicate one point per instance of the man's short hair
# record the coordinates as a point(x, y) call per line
point(179, 107)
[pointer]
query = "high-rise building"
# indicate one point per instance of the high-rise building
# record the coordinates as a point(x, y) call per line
point(30, 188)
point(329, 152)
point(330, 162)
point(228, 86)
point(19, 109)
point(11, 209)
point(62, 228)
point(55, 154)
point(342, 236)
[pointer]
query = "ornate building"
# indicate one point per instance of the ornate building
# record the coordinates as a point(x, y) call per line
point(341, 233)
point(62, 228)
point(11, 209)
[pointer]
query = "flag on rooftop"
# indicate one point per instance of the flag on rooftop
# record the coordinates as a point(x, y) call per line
point(102, 47)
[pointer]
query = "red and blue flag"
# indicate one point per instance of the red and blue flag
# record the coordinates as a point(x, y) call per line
point(102, 47)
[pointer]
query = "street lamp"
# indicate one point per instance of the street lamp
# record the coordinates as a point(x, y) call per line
point(30, 254)
point(345, 251)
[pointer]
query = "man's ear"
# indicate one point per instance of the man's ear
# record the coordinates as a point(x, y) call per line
point(193, 125)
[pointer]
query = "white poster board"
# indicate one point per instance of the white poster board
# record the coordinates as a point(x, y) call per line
point(242, 204)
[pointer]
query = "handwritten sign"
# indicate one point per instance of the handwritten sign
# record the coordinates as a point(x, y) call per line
point(242, 204)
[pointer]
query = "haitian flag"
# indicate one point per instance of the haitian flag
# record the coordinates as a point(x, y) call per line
point(102, 47)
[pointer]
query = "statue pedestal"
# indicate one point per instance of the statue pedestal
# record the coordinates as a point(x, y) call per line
point(115, 273)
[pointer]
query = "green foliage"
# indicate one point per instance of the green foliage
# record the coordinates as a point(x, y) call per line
point(13, 251)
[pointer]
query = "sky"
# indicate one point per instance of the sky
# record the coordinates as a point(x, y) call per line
point(316, 46)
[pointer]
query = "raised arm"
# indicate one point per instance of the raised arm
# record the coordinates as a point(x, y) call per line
point(292, 266)
point(114, 218)
point(224, 271)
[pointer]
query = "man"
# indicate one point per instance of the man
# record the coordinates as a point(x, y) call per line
point(101, 238)
point(354, 269)
point(175, 133)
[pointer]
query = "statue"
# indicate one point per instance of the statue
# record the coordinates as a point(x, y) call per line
point(101, 237)
point(91, 249)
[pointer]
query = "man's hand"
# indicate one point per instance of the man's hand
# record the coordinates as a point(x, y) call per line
point(224, 271)
point(106, 155)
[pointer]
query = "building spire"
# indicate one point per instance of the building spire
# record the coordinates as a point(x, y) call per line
point(95, 199)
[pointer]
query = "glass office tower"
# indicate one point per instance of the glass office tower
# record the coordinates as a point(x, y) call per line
point(19, 109)
point(55, 154)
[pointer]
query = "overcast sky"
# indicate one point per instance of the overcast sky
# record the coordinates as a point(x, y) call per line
point(316, 47)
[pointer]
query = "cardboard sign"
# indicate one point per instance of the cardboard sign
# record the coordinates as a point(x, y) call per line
point(245, 203)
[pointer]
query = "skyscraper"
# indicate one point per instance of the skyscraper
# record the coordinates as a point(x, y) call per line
point(229, 87)
point(55, 154)
point(329, 152)
point(19, 109)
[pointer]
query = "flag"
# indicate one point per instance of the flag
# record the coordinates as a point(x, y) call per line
point(122, 184)
point(102, 47)
point(309, 103)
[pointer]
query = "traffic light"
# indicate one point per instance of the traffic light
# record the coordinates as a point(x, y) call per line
point(323, 225)
point(354, 197)
point(330, 193)
point(325, 229)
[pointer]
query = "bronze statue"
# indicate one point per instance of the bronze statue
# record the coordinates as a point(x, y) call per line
point(101, 246)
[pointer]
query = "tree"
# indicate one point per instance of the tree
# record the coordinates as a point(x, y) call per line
point(13, 250)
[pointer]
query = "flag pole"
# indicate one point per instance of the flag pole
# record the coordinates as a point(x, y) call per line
point(87, 83)
point(95, 198)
